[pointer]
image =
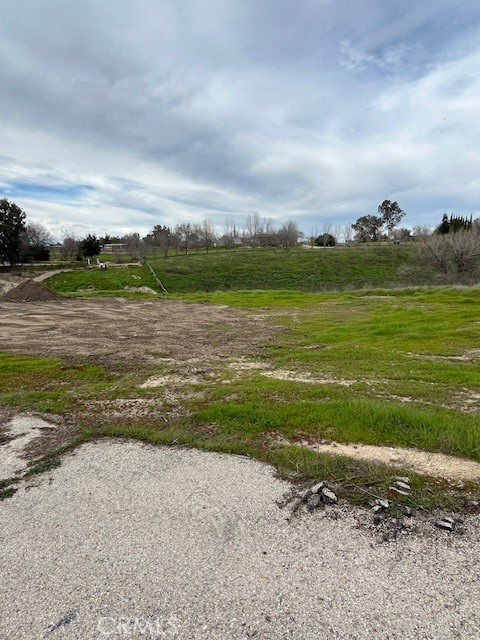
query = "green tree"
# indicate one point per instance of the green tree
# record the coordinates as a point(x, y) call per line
point(444, 226)
point(12, 228)
point(325, 240)
point(160, 236)
point(90, 246)
point(367, 228)
point(391, 214)
point(454, 224)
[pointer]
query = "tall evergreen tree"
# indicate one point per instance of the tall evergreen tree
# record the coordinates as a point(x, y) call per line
point(12, 228)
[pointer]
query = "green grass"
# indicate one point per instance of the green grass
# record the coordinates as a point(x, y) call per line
point(351, 267)
point(45, 384)
point(102, 281)
point(341, 268)
point(385, 346)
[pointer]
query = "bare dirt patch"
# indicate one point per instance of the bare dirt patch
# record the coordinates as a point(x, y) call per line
point(118, 330)
point(437, 465)
point(292, 376)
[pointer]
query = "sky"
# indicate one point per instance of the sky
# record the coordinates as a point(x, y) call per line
point(116, 115)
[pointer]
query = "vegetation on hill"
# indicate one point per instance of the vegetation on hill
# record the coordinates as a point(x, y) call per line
point(320, 269)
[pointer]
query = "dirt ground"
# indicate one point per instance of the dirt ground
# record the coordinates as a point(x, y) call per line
point(117, 330)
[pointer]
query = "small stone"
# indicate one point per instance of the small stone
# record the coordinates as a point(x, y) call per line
point(407, 511)
point(313, 501)
point(448, 519)
point(446, 524)
point(328, 496)
point(318, 487)
point(402, 492)
point(377, 509)
point(307, 495)
point(403, 479)
point(402, 485)
point(383, 503)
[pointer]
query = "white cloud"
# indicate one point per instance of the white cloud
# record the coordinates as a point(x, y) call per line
point(129, 116)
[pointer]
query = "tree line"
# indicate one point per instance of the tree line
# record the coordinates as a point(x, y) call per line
point(22, 242)
point(452, 247)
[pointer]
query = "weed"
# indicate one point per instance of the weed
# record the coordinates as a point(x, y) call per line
point(47, 463)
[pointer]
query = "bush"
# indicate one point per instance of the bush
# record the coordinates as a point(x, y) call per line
point(452, 254)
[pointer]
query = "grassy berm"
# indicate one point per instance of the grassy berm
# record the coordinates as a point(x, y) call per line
point(396, 367)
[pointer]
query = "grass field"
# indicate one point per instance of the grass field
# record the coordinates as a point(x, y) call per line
point(351, 267)
point(376, 366)
point(399, 367)
point(113, 281)
point(308, 270)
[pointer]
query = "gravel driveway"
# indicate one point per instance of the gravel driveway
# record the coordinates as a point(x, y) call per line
point(131, 540)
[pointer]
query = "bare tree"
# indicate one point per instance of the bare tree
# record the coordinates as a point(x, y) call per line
point(185, 233)
point(70, 246)
point(313, 235)
point(435, 252)
point(420, 232)
point(134, 245)
point(400, 235)
point(253, 228)
point(465, 251)
point(267, 233)
point(347, 233)
point(207, 234)
point(35, 242)
point(228, 239)
point(196, 236)
point(452, 254)
point(325, 237)
point(288, 234)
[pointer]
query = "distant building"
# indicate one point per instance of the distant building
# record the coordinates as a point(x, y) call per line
point(114, 248)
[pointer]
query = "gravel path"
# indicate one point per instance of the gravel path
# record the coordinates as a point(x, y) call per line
point(130, 540)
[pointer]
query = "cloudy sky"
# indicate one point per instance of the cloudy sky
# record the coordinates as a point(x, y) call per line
point(117, 115)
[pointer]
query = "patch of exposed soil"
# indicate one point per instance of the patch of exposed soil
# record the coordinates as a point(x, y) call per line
point(30, 291)
point(116, 331)
point(292, 376)
point(437, 465)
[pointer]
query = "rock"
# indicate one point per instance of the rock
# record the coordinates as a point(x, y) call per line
point(404, 486)
point(402, 492)
point(380, 505)
point(307, 495)
point(447, 524)
point(403, 479)
point(318, 487)
point(408, 512)
point(328, 496)
point(313, 501)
